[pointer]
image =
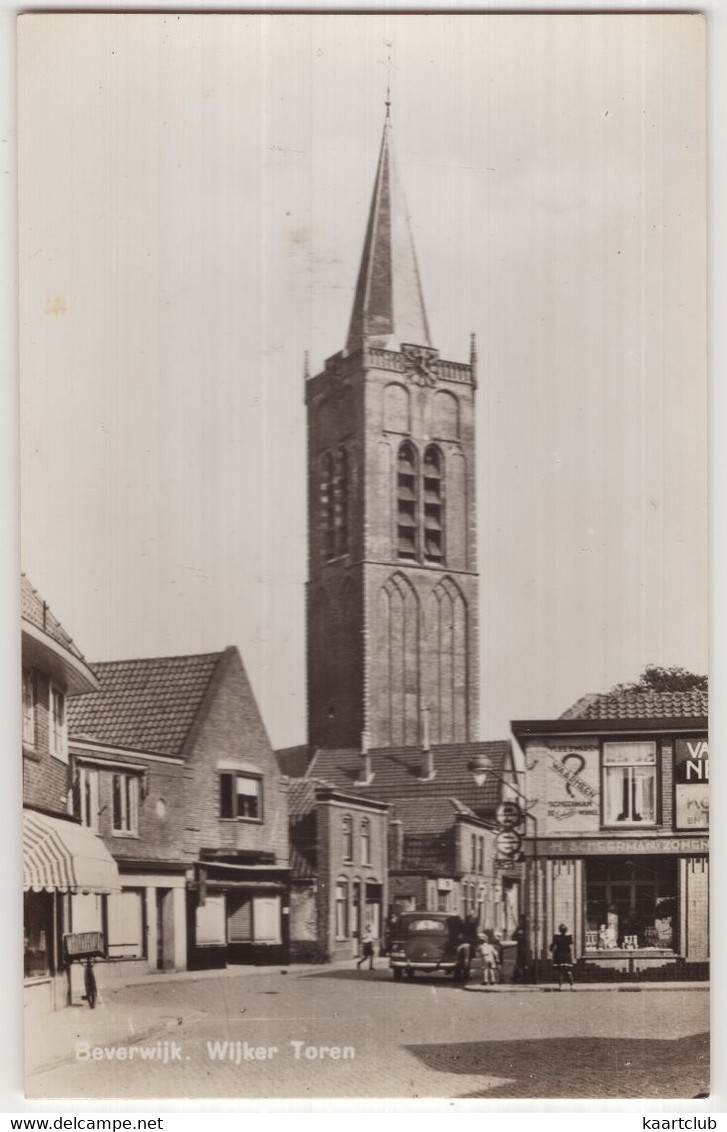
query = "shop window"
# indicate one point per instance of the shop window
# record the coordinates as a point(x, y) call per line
point(38, 934)
point(631, 904)
point(57, 739)
point(125, 919)
point(267, 913)
point(629, 783)
point(342, 909)
point(210, 922)
point(365, 842)
point(347, 831)
point(125, 804)
point(29, 709)
point(241, 797)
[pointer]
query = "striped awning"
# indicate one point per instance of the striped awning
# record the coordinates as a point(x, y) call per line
point(62, 856)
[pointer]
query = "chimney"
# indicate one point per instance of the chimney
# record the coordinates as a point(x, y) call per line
point(428, 772)
point(396, 843)
point(367, 775)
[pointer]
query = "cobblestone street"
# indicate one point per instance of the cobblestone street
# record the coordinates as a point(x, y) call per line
point(340, 1033)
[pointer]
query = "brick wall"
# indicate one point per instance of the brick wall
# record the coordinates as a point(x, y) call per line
point(695, 902)
point(382, 640)
point(46, 779)
point(230, 729)
point(334, 866)
point(161, 827)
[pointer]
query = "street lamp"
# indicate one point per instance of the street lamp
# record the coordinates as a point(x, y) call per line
point(482, 768)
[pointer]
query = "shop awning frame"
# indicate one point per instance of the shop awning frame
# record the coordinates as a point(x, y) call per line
point(63, 856)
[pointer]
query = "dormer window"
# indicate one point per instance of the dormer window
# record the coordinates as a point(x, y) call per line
point(57, 737)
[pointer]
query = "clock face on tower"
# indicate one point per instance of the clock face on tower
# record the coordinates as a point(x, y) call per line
point(420, 364)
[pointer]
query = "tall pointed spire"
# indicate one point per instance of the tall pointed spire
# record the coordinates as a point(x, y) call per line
point(388, 307)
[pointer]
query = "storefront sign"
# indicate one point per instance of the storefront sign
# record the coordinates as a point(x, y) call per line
point(691, 783)
point(508, 814)
point(573, 794)
point(508, 843)
point(513, 869)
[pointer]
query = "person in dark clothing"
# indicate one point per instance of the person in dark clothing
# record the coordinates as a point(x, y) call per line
point(520, 936)
point(562, 948)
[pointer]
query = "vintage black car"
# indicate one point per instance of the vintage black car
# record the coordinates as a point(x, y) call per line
point(432, 942)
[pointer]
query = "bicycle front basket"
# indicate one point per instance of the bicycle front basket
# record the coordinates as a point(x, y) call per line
point(83, 945)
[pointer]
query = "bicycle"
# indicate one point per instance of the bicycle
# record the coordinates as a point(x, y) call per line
point(85, 948)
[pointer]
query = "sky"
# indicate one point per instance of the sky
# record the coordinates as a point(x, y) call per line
point(193, 195)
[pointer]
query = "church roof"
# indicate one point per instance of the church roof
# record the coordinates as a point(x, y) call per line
point(397, 778)
point(388, 307)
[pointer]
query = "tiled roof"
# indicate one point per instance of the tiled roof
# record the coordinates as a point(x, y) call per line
point(148, 705)
point(293, 761)
point(641, 705)
point(397, 773)
point(38, 613)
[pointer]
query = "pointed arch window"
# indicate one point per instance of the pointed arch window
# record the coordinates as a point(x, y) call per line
point(433, 505)
point(407, 502)
point(328, 524)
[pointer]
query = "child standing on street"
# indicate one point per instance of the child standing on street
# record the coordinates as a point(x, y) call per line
point(490, 960)
point(367, 951)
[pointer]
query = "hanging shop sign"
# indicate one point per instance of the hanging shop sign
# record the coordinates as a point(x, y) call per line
point(691, 783)
point(508, 814)
point(508, 844)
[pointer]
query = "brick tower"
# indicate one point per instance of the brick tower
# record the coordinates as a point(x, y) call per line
point(392, 591)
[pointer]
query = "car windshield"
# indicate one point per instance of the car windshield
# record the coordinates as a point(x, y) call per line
point(426, 926)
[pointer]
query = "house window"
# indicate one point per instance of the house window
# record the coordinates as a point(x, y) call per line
point(365, 842)
point(347, 828)
point(442, 900)
point(57, 725)
point(473, 863)
point(342, 909)
point(87, 797)
point(481, 857)
point(241, 796)
point(29, 709)
point(125, 803)
point(125, 919)
point(433, 506)
point(407, 503)
point(629, 783)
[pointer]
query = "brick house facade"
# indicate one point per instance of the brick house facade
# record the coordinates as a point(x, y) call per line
point(338, 845)
point(621, 856)
point(67, 873)
point(173, 766)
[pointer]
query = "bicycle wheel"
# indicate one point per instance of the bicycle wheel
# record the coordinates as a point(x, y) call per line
point(90, 984)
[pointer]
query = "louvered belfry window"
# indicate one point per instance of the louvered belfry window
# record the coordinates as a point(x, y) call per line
point(433, 506)
point(407, 503)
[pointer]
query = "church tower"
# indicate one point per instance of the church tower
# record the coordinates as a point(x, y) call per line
point(392, 591)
